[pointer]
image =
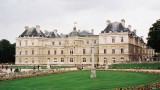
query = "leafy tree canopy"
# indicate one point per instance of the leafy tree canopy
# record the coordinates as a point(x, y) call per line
point(7, 51)
point(154, 36)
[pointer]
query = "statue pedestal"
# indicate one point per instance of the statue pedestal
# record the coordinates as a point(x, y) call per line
point(93, 73)
point(48, 66)
point(106, 67)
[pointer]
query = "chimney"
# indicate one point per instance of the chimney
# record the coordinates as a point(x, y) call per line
point(123, 22)
point(92, 31)
point(108, 22)
point(38, 28)
point(26, 27)
point(129, 27)
point(55, 32)
point(134, 31)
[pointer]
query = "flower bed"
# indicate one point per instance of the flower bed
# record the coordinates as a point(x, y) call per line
point(17, 75)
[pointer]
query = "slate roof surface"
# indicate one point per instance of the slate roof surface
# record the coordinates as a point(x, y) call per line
point(32, 32)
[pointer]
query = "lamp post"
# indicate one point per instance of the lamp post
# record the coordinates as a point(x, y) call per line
point(93, 70)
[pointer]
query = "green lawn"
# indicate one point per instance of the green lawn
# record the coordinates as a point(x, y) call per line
point(136, 66)
point(80, 80)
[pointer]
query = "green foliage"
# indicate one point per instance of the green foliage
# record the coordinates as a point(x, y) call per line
point(136, 66)
point(154, 36)
point(7, 51)
point(80, 80)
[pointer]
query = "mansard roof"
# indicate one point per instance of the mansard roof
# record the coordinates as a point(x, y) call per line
point(32, 32)
point(85, 32)
point(115, 27)
point(51, 34)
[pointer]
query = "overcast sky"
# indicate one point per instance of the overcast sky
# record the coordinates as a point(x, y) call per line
point(61, 15)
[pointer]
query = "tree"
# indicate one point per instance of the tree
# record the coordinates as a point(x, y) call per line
point(7, 51)
point(154, 36)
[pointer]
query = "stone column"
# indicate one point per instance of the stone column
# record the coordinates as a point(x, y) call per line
point(93, 70)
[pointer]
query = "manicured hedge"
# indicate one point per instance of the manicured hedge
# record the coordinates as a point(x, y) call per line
point(136, 66)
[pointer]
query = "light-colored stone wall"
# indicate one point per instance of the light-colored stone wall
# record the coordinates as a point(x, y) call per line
point(38, 50)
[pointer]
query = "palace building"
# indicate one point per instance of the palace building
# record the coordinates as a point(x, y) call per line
point(115, 44)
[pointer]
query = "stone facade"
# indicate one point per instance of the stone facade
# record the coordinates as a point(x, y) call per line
point(115, 44)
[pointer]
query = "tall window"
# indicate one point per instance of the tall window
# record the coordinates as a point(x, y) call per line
point(87, 42)
point(84, 59)
point(71, 50)
point(62, 52)
point(94, 41)
point(90, 59)
point(71, 59)
point(26, 52)
point(52, 43)
point(32, 60)
point(62, 59)
point(59, 43)
point(32, 51)
point(48, 52)
point(113, 39)
point(104, 51)
point(19, 43)
point(84, 51)
point(121, 39)
point(122, 50)
point(113, 51)
point(19, 52)
point(32, 43)
point(55, 52)
point(105, 60)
